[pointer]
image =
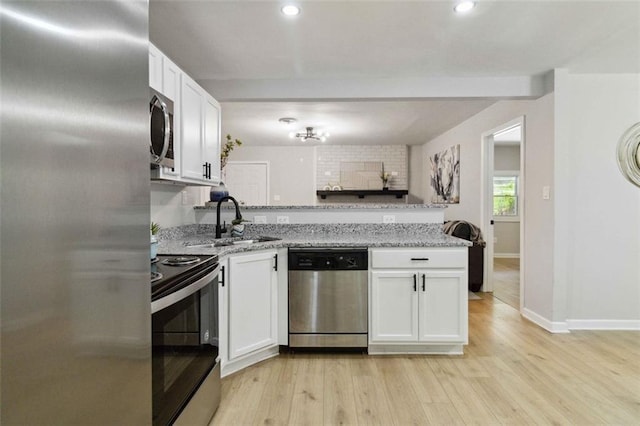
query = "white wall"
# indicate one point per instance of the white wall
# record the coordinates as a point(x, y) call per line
point(539, 135)
point(599, 210)
point(172, 205)
point(291, 172)
point(506, 157)
point(507, 239)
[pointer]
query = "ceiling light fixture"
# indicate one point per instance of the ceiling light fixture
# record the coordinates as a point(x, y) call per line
point(287, 121)
point(290, 10)
point(310, 134)
point(464, 6)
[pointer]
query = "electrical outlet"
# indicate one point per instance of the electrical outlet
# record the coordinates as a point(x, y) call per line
point(276, 198)
point(282, 219)
point(259, 219)
point(388, 218)
point(546, 192)
point(495, 240)
point(327, 173)
point(185, 198)
point(394, 173)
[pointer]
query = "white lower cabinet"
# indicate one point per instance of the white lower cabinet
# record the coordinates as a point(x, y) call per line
point(252, 288)
point(426, 305)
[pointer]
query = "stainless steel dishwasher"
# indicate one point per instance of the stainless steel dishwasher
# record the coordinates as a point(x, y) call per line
point(328, 297)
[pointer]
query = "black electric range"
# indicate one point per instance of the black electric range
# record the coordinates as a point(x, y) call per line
point(170, 273)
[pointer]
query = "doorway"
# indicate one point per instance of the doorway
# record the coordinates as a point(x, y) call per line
point(503, 211)
point(248, 182)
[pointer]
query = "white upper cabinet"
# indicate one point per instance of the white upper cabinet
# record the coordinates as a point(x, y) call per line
point(191, 109)
point(155, 68)
point(212, 137)
point(200, 161)
point(196, 124)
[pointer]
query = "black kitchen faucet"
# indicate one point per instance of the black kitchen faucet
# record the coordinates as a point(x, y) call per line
point(222, 229)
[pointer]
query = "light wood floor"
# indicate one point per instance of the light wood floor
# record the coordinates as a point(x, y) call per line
point(513, 372)
point(506, 281)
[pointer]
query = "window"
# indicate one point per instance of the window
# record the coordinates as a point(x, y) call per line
point(505, 196)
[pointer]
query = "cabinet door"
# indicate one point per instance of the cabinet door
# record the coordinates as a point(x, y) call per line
point(171, 89)
point(212, 137)
point(443, 306)
point(252, 291)
point(394, 307)
point(171, 81)
point(155, 68)
point(191, 105)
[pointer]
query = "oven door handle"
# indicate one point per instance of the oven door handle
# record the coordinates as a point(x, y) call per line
point(170, 299)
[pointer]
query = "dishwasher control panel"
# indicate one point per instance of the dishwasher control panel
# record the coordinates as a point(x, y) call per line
point(328, 259)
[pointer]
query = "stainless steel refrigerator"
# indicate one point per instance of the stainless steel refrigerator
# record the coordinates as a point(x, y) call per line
point(74, 213)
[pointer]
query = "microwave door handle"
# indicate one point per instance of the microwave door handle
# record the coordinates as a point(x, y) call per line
point(156, 101)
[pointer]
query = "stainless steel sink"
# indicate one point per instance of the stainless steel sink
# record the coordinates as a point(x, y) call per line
point(233, 242)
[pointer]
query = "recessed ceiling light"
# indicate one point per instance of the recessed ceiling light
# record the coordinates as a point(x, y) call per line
point(290, 10)
point(464, 6)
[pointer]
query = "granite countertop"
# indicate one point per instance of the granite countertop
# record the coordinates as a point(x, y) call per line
point(355, 206)
point(363, 235)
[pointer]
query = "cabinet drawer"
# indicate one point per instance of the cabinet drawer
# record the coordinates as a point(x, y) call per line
point(450, 257)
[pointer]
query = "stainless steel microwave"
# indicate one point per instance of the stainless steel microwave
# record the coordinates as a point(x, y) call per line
point(161, 119)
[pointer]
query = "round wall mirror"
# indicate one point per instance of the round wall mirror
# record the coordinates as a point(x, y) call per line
point(629, 154)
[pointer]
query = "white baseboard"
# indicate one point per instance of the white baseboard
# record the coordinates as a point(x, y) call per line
point(550, 326)
point(575, 324)
point(399, 349)
point(507, 255)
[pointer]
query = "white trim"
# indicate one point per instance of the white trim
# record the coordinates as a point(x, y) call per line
point(507, 255)
point(486, 201)
point(512, 219)
point(539, 320)
point(423, 349)
point(589, 324)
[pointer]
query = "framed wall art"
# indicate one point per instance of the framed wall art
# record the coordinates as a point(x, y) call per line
point(445, 176)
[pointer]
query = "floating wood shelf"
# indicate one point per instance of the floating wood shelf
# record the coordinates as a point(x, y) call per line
point(361, 193)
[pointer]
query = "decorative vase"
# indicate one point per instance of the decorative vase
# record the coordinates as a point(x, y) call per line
point(154, 247)
point(237, 230)
point(385, 188)
point(218, 192)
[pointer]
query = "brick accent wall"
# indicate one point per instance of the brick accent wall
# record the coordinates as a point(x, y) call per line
point(394, 157)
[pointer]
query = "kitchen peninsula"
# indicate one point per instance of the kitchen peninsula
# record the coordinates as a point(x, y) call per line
point(417, 278)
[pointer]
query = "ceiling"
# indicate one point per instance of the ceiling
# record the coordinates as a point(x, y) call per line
point(382, 72)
